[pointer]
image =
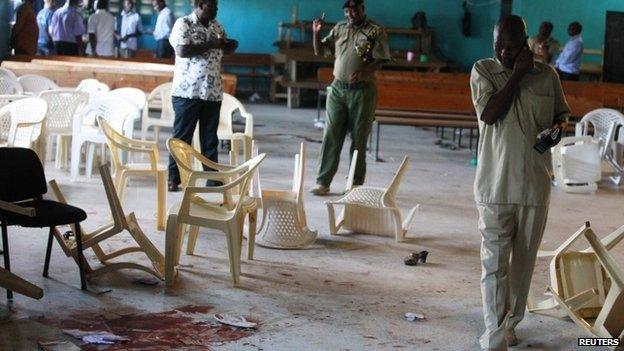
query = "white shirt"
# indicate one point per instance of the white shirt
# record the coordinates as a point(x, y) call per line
point(102, 24)
point(130, 24)
point(197, 77)
point(164, 23)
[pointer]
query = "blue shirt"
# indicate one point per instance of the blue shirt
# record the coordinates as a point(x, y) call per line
point(569, 60)
point(43, 21)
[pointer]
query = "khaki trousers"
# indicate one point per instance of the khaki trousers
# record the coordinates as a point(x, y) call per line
point(348, 111)
point(511, 236)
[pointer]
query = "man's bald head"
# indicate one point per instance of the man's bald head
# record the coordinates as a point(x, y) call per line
point(510, 36)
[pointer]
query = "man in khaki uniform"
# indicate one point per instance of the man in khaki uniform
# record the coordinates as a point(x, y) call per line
point(360, 48)
point(515, 100)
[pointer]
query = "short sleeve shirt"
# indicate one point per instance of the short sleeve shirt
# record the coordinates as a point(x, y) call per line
point(509, 170)
point(103, 24)
point(164, 22)
point(550, 46)
point(66, 24)
point(197, 77)
point(343, 40)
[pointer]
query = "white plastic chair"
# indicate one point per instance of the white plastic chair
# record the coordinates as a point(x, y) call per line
point(34, 84)
point(284, 224)
point(609, 320)
point(162, 94)
point(96, 89)
point(371, 210)
point(10, 87)
point(5, 73)
point(577, 277)
point(117, 143)
point(63, 104)
point(5, 119)
point(27, 124)
point(577, 164)
point(137, 97)
point(229, 106)
point(226, 217)
point(605, 123)
point(187, 160)
point(116, 111)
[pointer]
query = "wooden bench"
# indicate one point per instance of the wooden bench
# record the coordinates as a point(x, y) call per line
point(259, 67)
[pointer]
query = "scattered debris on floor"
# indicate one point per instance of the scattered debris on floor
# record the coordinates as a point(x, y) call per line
point(235, 321)
point(57, 346)
point(415, 257)
point(188, 327)
point(95, 337)
point(414, 317)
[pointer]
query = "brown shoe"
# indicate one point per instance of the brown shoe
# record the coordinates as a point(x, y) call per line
point(319, 190)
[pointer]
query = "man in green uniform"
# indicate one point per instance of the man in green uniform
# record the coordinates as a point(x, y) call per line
point(515, 99)
point(360, 48)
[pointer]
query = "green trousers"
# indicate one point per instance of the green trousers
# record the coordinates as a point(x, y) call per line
point(349, 110)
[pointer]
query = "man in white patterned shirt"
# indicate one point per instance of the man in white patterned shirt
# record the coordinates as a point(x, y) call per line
point(199, 42)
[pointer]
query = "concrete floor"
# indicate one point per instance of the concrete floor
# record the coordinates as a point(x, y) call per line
point(346, 292)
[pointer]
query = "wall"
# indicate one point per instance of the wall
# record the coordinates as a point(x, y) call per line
point(591, 14)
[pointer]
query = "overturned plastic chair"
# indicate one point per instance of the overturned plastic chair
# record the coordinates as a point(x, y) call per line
point(606, 123)
point(121, 223)
point(576, 277)
point(371, 210)
point(284, 224)
point(608, 321)
point(577, 164)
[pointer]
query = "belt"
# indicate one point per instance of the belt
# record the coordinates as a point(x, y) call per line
point(351, 86)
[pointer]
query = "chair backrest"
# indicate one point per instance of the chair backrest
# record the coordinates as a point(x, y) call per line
point(10, 86)
point(163, 92)
point(299, 172)
point(35, 84)
point(5, 73)
point(390, 194)
point(229, 105)
point(62, 106)
point(5, 118)
point(116, 111)
point(27, 116)
point(21, 175)
point(604, 121)
point(94, 88)
point(136, 96)
point(577, 160)
point(184, 156)
point(115, 141)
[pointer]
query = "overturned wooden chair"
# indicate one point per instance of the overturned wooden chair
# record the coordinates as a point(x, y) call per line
point(371, 210)
point(609, 320)
point(121, 222)
point(284, 224)
point(577, 278)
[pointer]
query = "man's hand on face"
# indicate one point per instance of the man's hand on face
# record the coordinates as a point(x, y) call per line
point(524, 62)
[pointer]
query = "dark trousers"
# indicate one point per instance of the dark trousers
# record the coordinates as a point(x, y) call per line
point(568, 76)
point(164, 49)
point(66, 48)
point(187, 113)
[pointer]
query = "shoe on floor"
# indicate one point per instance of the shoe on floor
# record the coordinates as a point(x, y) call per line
point(319, 190)
point(173, 187)
point(510, 336)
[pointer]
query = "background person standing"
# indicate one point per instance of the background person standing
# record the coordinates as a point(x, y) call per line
point(131, 29)
point(569, 62)
point(45, 46)
point(162, 30)
point(101, 28)
point(25, 34)
point(67, 29)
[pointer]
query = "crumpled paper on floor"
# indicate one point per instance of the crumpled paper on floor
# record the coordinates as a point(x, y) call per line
point(95, 337)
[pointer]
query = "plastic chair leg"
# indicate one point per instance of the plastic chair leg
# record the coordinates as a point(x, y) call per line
point(75, 159)
point(161, 180)
point(192, 240)
point(251, 238)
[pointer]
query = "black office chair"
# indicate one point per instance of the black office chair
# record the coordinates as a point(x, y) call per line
point(22, 185)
